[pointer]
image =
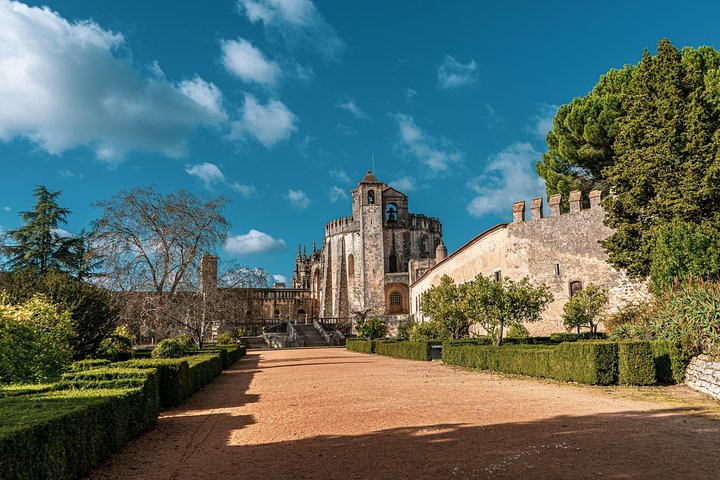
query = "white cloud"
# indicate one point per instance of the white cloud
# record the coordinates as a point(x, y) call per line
point(244, 190)
point(298, 199)
point(409, 94)
point(453, 74)
point(340, 175)
point(269, 123)
point(337, 193)
point(280, 278)
point(349, 105)
point(509, 177)
point(542, 121)
point(436, 153)
point(403, 184)
point(209, 173)
point(253, 242)
point(65, 173)
point(297, 22)
point(7, 209)
point(248, 63)
point(65, 85)
point(61, 232)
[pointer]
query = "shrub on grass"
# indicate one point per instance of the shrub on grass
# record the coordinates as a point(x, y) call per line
point(174, 377)
point(169, 348)
point(518, 331)
point(117, 346)
point(63, 434)
point(560, 337)
point(636, 363)
point(202, 370)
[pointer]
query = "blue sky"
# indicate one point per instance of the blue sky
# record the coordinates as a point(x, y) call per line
point(279, 104)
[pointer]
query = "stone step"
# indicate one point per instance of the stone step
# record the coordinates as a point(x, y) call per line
point(311, 336)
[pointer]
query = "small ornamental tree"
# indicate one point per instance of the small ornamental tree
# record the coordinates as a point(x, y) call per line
point(443, 304)
point(585, 308)
point(371, 328)
point(500, 305)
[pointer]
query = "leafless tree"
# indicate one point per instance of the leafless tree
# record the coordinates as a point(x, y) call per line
point(151, 245)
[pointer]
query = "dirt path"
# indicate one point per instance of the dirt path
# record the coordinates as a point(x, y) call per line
point(327, 413)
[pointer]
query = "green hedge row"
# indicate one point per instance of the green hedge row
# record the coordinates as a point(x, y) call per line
point(62, 430)
point(64, 433)
point(360, 345)
point(81, 365)
point(591, 362)
point(407, 350)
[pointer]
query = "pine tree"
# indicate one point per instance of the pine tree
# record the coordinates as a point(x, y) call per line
point(39, 244)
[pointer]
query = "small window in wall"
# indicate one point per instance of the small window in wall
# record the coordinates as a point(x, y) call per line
point(371, 197)
point(575, 287)
point(392, 263)
point(497, 275)
point(301, 312)
point(424, 245)
point(277, 313)
point(557, 269)
point(391, 213)
point(351, 264)
point(395, 298)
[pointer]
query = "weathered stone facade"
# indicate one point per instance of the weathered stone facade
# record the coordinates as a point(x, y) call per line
point(363, 263)
point(703, 375)
point(561, 251)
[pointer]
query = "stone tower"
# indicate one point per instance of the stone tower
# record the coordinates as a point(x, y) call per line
point(363, 265)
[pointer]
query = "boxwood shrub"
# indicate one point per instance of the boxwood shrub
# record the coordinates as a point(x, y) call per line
point(360, 345)
point(174, 377)
point(670, 361)
point(81, 365)
point(63, 434)
point(408, 350)
point(636, 363)
point(202, 370)
point(592, 362)
point(560, 337)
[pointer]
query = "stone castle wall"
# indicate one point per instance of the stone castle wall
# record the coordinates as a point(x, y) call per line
point(558, 251)
point(703, 375)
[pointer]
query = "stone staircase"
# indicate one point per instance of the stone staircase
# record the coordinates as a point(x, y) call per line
point(311, 336)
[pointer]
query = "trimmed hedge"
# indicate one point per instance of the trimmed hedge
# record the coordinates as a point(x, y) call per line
point(82, 365)
point(468, 341)
point(593, 363)
point(63, 434)
point(408, 350)
point(202, 370)
point(360, 345)
point(636, 363)
point(174, 377)
point(560, 337)
point(670, 361)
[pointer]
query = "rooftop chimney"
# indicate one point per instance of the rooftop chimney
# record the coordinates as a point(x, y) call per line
point(519, 211)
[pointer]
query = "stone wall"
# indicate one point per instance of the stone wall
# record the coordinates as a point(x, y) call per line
point(557, 251)
point(703, 375)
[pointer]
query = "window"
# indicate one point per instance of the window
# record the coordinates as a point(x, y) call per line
point(371, 197)
point(575, 287)
point(557, 269)
point(392, 263)
point(301, 312)
point(497, 275)
point(277, 313)
point(351, 264)
point(391, 213)
point(423, 245)
point(395, 298)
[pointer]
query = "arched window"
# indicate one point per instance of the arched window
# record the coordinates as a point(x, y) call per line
point(423, 245)
point(351, 264)
point(395, 298)
point(371, 197)
point(575, 287)
point(392, 263)
point(301, 312)
point(391, 213)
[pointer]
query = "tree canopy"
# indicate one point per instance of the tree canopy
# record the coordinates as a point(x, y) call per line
point(649, 133)
point(40, 244)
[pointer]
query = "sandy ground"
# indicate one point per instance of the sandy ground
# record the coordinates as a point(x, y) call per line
point(326, 413)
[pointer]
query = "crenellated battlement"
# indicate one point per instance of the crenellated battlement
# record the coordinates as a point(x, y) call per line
point(422, 222)
point(340, 225)
point(536, 205)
